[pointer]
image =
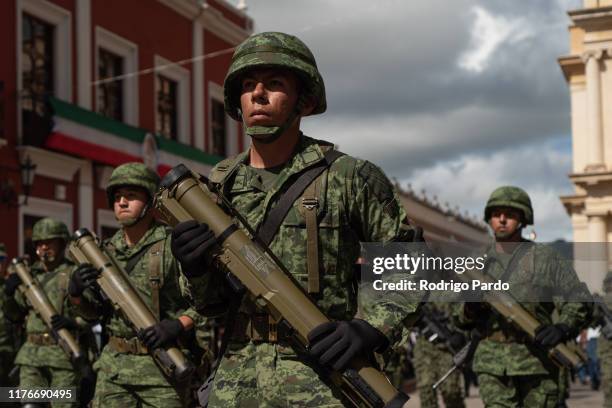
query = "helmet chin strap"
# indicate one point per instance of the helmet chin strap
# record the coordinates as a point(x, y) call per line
point(269, 134)
point(133, 221)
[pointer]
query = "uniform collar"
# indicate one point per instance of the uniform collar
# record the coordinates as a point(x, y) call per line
point(155, 233)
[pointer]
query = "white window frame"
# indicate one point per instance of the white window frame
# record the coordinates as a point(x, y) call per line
point(106, 218)
point(41, 207)
point(62, 48)
point(215, 93)
point(129, 52)
point(182, 77)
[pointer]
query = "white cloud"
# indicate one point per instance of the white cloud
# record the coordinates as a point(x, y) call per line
point(467, 182)
point(488, 33)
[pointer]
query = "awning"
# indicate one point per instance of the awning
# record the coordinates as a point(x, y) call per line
point(92, 136)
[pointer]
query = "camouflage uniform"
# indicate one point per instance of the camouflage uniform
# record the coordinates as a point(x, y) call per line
point(7, 329)
point(131, 377)
point(9, 341)
point(512, 371)
point(43, 363)
point(356, 202)
point(605, 350)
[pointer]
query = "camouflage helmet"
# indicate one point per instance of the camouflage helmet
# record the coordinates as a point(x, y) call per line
point(49, 228)
point(513, 197)
point(132, 175)
point(269, 50)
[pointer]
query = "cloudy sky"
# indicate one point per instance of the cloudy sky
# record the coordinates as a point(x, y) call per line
point(454, 97)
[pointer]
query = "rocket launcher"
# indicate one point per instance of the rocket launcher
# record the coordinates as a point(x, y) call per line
point(183, 197)
point(514, 313)
point(117, 287)
point(37, 297)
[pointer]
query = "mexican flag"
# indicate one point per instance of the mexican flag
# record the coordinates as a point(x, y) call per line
point(92, 136)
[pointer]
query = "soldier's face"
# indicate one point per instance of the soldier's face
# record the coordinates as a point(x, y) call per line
point(50, 250)
point(505, 222)
point(129, 204)
point(268, 96)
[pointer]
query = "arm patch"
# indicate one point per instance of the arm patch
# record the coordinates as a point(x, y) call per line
point(378, 184)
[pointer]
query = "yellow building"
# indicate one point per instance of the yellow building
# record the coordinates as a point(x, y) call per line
point(588, 71)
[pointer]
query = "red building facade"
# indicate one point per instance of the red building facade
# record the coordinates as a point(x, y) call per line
point(86, 85)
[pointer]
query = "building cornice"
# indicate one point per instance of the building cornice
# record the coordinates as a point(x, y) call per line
point(574, 204)
point(591, 179)
point(585, 14)
point(571, 65)
point(212, 20)
point(51, 164)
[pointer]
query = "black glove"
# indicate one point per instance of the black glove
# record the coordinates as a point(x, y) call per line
point(337, 343)
point(11, 284)
point(161, 334)
point(457, 341)
point(549, 335)
point(476, 310)
point(59, 322)
point(84, 277)
point(191, 243)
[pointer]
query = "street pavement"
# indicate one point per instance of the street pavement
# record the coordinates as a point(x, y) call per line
point(581, 396)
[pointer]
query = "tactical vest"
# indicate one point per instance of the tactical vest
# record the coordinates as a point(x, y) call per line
point(307, 187)
point(156, 277)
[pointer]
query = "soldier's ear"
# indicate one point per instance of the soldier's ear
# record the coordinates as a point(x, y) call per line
point(306, 104)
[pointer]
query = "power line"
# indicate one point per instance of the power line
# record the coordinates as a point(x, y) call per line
point(162, 67)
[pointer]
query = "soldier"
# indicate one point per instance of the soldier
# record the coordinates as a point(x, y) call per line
point(7, 329)
point(433, 358)
point(127, 375)
point(42, 362)
point(273, 82)
point(513, 370)
point(605, 349)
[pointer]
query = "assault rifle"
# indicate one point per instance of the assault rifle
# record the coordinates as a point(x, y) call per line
point(462, 358)
point(434, 327)
point(37, 297)
point(117, 287)
point(183, 197)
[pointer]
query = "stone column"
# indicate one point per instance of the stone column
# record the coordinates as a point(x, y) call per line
point(598, 262)
point(594, 119)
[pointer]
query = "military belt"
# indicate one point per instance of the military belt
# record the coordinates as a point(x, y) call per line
point(41, 339)
point(260, 327)
point(123, 345)
point(501, 336)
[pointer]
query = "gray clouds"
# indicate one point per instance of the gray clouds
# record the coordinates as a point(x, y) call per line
point(419, 86)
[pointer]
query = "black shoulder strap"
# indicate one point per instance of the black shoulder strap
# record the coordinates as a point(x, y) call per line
point(137, 256)
point(270, 225)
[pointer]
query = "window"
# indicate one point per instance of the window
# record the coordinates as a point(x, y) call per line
point(110, 94)
point(218, 129)
point(44, 64)
point(172, 106)
point(166, 108)
point(115, 56)
point(37, 71)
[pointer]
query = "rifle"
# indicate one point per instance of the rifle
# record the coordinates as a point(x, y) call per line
point(182, 197)
point(462, 357)
point(37, 297)
point(117, 287)
point(434, 327)
point(606, 316)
